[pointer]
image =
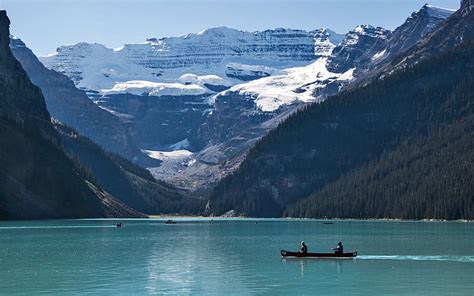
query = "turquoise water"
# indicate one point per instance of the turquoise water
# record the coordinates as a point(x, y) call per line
point(223, 257)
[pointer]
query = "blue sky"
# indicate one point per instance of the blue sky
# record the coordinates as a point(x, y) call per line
point(47, 24)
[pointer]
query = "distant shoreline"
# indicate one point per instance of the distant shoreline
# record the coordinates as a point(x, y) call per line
point(170, 216)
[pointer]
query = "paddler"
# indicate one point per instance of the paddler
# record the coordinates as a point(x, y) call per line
point(303, 248)
point(339, 249)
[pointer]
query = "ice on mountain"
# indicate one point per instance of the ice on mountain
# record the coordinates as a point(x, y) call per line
point(270, 93)
point(203, 80)
point(140, 87)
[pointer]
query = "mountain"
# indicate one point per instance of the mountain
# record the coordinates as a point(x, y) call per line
point(351, 52)
point(37, 178)
point(417, 26)
point(455, 30)
point(71, 106)
point(260, 105)
point(397, 147)
point(167, 94)
point(95, 67)
point(420, 24)
point(198, 102)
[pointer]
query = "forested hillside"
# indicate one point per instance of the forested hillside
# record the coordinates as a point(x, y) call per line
point(425, 177)
point(131, 184)
point(364, 136)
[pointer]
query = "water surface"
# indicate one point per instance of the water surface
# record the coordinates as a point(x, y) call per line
point(219, 257)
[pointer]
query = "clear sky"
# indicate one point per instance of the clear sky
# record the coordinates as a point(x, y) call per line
point(46, 24)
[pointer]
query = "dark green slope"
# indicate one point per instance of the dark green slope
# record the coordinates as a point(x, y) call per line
point(37, 179)
point(424, 178)
point(339, 137)
point(126, 181)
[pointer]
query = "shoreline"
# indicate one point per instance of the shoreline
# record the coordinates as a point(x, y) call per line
point(204, 218)
point(171, 216)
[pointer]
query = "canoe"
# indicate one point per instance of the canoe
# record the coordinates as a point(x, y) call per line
point(285, 253)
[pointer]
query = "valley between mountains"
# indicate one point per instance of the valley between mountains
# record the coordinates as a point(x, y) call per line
point(373, 123)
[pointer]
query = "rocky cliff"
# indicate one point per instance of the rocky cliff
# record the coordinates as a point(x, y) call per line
point(72, 107)
point(37, 178)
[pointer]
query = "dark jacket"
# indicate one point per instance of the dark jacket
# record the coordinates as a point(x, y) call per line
point(304, 249)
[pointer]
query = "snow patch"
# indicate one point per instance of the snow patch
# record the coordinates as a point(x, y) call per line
point(296, 84)
point(378, 55)
point(168, 155)
point(172, 162)
point(180, 145)
point(202, 80)
point(140, 87)
point(254, 68)
point(347, 76)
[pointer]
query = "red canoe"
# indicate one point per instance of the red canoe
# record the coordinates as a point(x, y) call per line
point(285, 253)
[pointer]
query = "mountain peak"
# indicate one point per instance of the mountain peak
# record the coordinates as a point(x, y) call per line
point(426, 19)
point(16, 42)
point(370, 31)
point(434, 11)
point(4, 27)
point(222, 30)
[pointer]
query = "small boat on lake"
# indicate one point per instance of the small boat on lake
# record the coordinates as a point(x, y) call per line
point(170, 222)
point(285, 254)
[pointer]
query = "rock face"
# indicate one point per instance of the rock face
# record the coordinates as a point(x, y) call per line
point(37, 179)
point(72, 107)
point(420, 24)
point(220, 90)
point(367, 48)
point(453, 28)
point(162, 121)
point(467, 5)
point(351, 53)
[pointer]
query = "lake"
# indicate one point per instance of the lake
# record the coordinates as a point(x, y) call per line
point(234, 256)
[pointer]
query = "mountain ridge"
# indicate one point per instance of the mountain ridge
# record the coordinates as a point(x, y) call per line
point(38, 179)
point(71, 106)
point(224, 116)
point(331, 140)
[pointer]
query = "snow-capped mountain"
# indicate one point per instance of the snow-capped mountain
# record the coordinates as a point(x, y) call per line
point(231, 54)
point(72, 107)
point(220, 90)
point(168, 86)
point(416, 27)
point(449, 33)
point(351, 51)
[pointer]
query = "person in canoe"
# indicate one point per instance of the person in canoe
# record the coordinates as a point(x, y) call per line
point(303, 248)
point(339, 249)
